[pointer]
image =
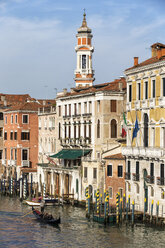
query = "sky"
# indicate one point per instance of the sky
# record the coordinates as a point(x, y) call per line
point(38, 39)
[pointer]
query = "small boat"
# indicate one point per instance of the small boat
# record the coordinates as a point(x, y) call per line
point(46, 218)
point(48, 202)
point(32, 203)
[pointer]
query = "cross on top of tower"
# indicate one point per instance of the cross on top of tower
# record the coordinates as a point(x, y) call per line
point(84, 22)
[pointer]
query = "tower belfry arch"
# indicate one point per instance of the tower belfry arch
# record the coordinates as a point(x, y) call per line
point(84, 73)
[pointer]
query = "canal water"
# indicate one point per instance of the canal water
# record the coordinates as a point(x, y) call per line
point(18, 230)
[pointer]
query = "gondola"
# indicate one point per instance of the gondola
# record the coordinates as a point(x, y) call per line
point(46, 218)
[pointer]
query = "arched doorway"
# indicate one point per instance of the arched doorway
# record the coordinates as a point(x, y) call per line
point(145, 130)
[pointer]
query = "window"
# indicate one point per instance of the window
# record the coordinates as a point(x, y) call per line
point(90, 107)
point(113, 105)
point(137, 167)
point(163, 87)
point(24, 154)
point(151, 169)
point(121, 192)
point(139, 91)
point(69, 130)
point(85, 129)
point(137, 188)
point(85, 107)
point(75, 129)
point(25, 136)
point(1, 154)
point(129, 167)
point(5, 119)
point(1, 132)
point(15, 135)
point(85, 172)
point(69, 109)
point(98, 129)
point(79, 129)
point(94, 173)
point(11, 153)
point(59, 110)
point(79, 108)
point(5, 135)
point(153, 88)
point(110, 192)
point(145, 130)
point(25, 119)
point(89, 131)
point(16, 119)
point(162, 194)
point(76, 185)
point(109, 170)
point(120, 171)
point(15, 154)
point(146, 90)
point(83, 61)
point(75, 109)
point(11, 119)
point(113, 129)
point(1, 116)
point(162, 171)
point(11, 135)
point(5, 153)
point(130, 93)
point(65, 110)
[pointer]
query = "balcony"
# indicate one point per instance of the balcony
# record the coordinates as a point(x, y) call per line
point(144, 103)
point(87, 114)
point(137, 105)
point(25, 163)
point(143, 152)
point(162, 101)
point(76, 115)
point(161, 181)
point(75, 142)
point(127, 176)
point(136, 177)
point(150, 179)
point(152, 103)
point(4, 162)
point(128, 106)
point(67, 116)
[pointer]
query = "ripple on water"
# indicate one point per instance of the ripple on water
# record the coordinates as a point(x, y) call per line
point(74, 231)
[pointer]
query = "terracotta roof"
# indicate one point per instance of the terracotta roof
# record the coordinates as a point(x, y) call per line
point(47, 102)
point(147, 62)
point(111, 86)
point(115, 156)
point(33, 106)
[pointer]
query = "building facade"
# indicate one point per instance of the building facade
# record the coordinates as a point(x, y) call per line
point(145, 153)
point(20, 151)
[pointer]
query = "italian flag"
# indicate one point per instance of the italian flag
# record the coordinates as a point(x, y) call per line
point(124, 127)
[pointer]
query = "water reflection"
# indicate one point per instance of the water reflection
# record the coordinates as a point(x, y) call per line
point(74, 231)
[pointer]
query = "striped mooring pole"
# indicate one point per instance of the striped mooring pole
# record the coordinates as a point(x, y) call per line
point(24, 188)
point(133, 213)
point(98, 201)
point(106, 209)
point(157, 212)
point(11, 186)
point(87, 204)
point(152, 206)
point(144, 215)
point(117, 208)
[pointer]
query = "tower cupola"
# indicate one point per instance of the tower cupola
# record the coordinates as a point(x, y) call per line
point(84, 74)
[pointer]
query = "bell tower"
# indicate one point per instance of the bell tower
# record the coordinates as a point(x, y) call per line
point(84, 74)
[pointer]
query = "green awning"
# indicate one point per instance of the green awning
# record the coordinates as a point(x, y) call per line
point(71, 154)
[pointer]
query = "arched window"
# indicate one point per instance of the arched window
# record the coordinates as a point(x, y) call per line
point(98, 129)
point(113, 129)
point(145, 130)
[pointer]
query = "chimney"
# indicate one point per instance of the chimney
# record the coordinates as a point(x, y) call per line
point(136, 61)
point(159, 53)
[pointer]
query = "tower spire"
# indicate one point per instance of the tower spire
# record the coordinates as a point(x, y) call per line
point(84, 74)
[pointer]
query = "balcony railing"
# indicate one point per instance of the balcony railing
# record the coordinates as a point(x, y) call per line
point(25, 163)
point(136, 177)
point(150, 179)
point(75, 141)
point(160, 181)
point(87, 114)
point(143, 152)
point(76, 115)
point(127, 176)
